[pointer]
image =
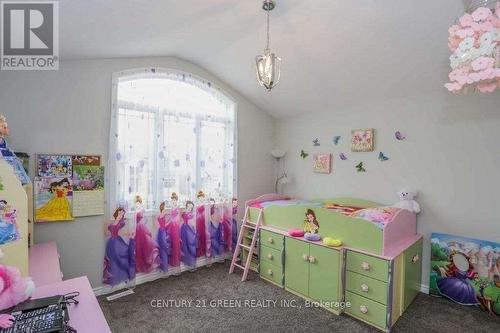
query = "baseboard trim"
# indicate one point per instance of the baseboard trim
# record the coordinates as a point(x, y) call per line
point(424, 288)
point(144, 278)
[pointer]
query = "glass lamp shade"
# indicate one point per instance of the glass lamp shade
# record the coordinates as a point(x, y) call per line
point(268, 69)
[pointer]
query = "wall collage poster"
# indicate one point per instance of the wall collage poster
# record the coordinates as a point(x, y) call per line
point(68, 186)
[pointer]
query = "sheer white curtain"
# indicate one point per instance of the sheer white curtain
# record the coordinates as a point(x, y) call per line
point(170, 132)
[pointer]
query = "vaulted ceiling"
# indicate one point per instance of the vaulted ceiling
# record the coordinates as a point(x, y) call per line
point(335, 52)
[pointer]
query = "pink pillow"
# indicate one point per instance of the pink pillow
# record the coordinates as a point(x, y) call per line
point(296, 232)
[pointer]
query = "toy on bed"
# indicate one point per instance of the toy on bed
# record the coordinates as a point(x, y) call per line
point(312, 237)
point(296, 232)
point(379, 215)
point(14, 289)
point(407, 201)
point(328, 241)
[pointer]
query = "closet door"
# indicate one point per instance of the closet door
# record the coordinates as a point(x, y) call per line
point(324, 275)
point(297, 266)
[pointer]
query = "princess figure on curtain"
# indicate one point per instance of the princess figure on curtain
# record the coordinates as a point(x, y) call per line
point(201, 249)
point(174, 259)
point(146, 251)
point(226, 222)
point(163, 237)
point(189, 237)
point(119, 260)
point(234, 224)
point(58, 207)
point(216, 229)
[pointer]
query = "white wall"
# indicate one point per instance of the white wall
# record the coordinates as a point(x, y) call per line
point(68, 111)
point(451, 156)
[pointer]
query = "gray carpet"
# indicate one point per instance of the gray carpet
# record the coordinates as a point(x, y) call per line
point(134, 313)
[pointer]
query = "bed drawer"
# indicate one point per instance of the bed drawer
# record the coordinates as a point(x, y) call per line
point(271, 272)
point(271, 239)
point(271, 255)
point(366, 309)
point(373, 267)
point(367, 287)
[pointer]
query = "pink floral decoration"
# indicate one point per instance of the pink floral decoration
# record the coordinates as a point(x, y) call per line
point(481, 14)
point(482, 63)
point(475, 45)
point(466, 20)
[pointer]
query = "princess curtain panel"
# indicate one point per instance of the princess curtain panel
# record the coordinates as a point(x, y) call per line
point(172, 175)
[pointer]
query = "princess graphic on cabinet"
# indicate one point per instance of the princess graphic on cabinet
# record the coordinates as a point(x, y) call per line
point(174, 259)
point(189, 237)
point(8, 224)
point(163, 236)
point(201, 249)
point(119, 259)
point(146, 252)
point(311, 224)
point(58, 208)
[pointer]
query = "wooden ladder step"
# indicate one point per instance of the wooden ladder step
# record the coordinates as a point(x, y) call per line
point(239, 266)
point(245, 246)
point(250, 225)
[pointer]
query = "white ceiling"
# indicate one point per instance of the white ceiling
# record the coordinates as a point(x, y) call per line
point(335, 52)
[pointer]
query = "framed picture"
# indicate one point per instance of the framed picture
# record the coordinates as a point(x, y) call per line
point(363, 140)
point(322, 163)
point(54, 165)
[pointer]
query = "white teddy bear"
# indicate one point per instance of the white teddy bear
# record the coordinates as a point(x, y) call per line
point(407, 201)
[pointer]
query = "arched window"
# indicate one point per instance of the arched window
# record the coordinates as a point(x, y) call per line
point(170, 132)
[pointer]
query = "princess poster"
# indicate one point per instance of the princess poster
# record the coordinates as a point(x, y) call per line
point(53, 199)
point(466, 271)
point(54, 165)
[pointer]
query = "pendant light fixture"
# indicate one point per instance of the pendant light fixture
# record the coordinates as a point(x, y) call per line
point(268, 65)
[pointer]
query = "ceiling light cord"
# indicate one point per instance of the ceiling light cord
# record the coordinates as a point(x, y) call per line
point(268, 38)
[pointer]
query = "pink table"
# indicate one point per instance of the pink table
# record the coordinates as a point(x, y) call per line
point(85, 317)
point(44, 265)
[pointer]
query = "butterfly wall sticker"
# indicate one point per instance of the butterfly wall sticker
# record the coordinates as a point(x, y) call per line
point(343, 157)
point(303, 154)
point(399, 136)
point(336, 140)
point(360, 167)
point(382, 157)
point(316, 142)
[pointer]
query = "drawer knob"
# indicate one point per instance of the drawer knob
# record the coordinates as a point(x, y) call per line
point(270, 272)
point(365, 266)
point(363, 309)
point(270, 256)
point(305, 257)
point(270, 240)
point(312, 260)
point(364, 288)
